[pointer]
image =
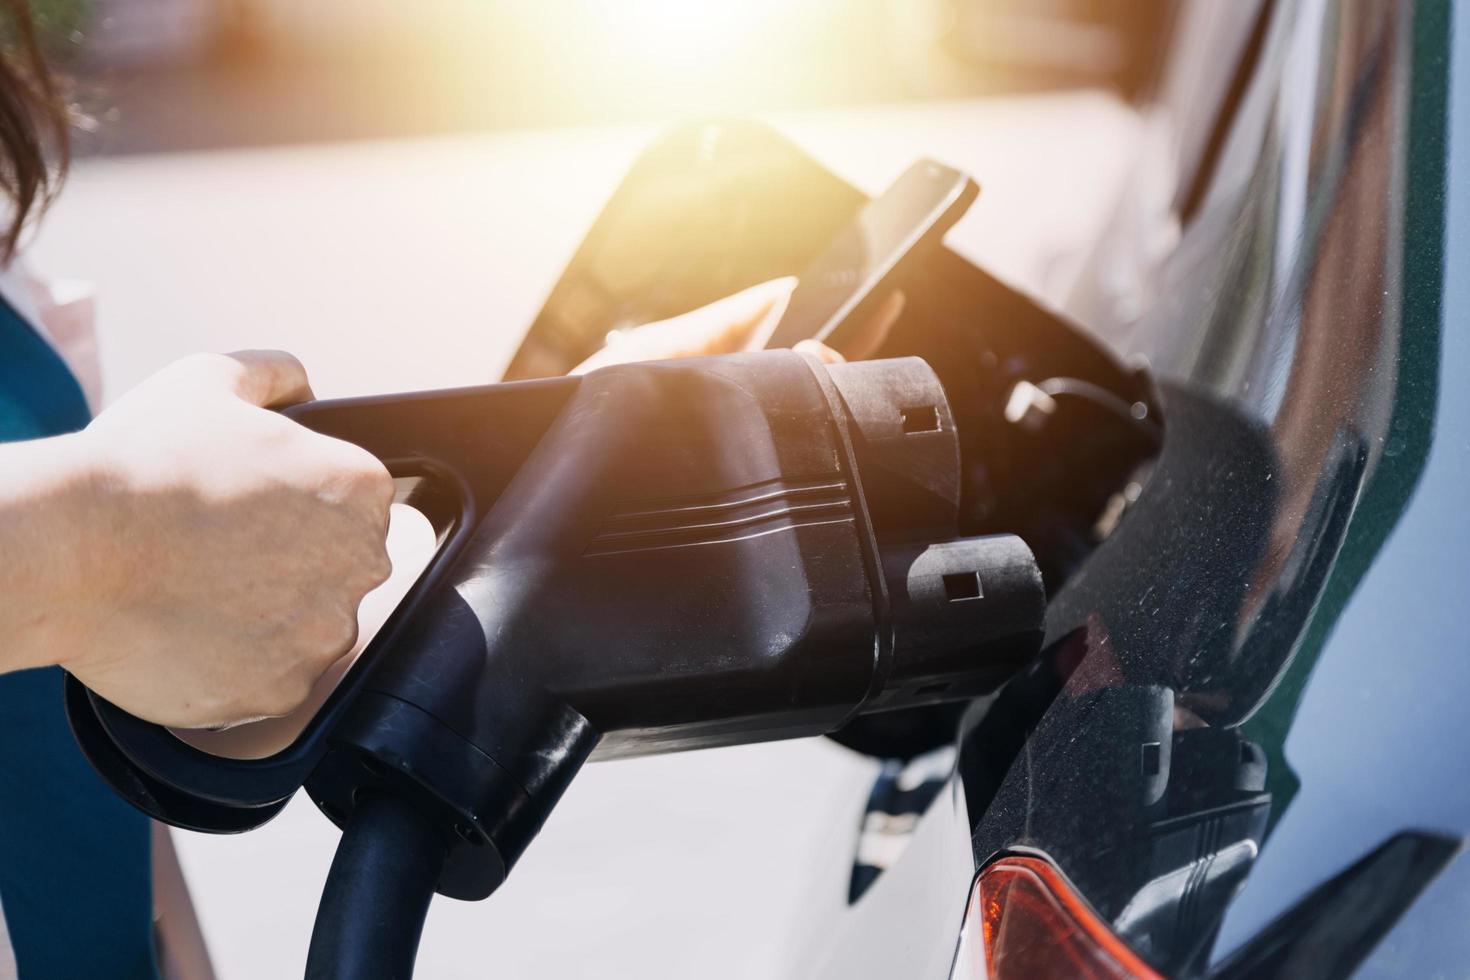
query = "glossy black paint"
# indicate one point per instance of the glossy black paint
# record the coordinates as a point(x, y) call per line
point(1258, 679)
point(1337, 925)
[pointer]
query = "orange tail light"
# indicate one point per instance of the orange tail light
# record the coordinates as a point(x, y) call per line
point(1025, 921)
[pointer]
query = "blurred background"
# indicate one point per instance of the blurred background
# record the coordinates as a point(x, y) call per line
point(390, 190)
point(187, 74)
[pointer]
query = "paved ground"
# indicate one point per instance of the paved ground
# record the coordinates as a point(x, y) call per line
point(391, 266)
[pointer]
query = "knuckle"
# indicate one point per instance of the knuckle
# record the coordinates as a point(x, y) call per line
point(362, 563)
point(386, 491)
point(378, 567)
point(326, 635)
point(372, 482)
point(341, 634)
point(358, 478)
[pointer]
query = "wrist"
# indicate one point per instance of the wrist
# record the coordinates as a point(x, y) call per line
point(59, 518)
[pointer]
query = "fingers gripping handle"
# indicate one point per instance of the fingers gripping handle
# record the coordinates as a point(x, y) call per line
point(452, 452)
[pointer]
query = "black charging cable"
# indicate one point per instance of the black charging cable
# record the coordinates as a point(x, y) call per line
point(377, 894)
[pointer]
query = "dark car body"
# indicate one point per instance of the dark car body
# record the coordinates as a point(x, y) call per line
point(1245, 745)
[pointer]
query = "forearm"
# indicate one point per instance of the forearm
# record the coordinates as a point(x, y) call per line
point(52, 545)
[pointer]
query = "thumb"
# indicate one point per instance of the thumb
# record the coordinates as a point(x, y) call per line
point(270, 378)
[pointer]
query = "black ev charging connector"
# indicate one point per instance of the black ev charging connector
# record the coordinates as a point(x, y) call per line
point(650, 558)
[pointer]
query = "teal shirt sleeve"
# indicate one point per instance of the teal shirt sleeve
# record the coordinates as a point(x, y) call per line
point(75, 868)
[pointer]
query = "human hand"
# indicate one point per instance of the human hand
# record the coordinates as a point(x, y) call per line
point(743, 321)
point(234, 545)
